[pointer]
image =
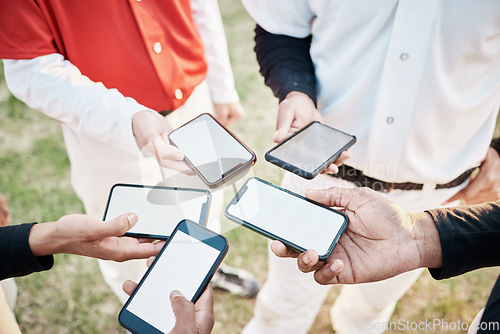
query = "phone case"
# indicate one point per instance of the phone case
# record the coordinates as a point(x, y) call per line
point(203, 215)
point(272, 236)
point(229, 174)
point(131, 323)
point(296, 170)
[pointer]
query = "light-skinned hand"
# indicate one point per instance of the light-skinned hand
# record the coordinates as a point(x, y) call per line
point(151, 135)
point(83, 235)
point(381, 241)
point(228, 113)
point(485, 186)
point(295, 111)
point(189, 317)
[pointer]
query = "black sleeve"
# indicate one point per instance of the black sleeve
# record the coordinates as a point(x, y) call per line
point(285, 63)
point(470, 238)
point(489, 321)
point(16, 258)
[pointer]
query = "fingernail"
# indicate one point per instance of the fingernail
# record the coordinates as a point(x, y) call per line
point(176, 293)
point(335, 266)
point(306, 259)
point(132, 219)
point(179, 156)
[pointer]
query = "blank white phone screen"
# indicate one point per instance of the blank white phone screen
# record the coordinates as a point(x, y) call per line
point(183, 267)
point(158, 210)
point(209, 147)
point(291, 218)
point(312, 147)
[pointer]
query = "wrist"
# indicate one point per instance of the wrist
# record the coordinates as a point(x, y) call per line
point(427, 241)
point(43, 239)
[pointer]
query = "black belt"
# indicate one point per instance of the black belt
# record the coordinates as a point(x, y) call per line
point(361, 180)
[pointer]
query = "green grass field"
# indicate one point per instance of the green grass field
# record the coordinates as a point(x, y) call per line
point(73, 298)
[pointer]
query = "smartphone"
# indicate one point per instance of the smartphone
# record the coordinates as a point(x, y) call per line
point(310, 150)
point(186, 263)
point(280, 214)
point(211, 150)
point(158, 209)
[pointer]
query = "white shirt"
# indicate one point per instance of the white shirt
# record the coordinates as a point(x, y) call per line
point(416, 81)
point(56, 87)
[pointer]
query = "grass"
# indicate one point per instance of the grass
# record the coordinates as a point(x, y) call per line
point(73, 298)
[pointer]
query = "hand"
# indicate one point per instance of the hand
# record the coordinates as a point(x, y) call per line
point(5, 218)
point(228, 113)
point(150, 132)
point(381, 241)
point(189, 317)
point(87, 236)
point(295, 111)
point(334, 167)
point(485, 186)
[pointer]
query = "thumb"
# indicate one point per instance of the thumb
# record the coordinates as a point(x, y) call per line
point(185, 321)
point(119, 225)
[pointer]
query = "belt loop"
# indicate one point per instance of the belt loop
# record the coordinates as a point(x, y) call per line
point(428, 187)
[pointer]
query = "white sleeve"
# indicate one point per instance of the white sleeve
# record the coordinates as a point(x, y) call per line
point(56, 87)
point(208, 21)
point(283, 17)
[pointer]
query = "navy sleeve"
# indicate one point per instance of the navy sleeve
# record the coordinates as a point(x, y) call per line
point(469, 238)
point(16, 258)
point(285, 63)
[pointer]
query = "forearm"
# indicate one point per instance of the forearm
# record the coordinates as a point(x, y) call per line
point(16, 254)
point(208, 21)
point(285, 63)
point(469, 238)
point(57, 88)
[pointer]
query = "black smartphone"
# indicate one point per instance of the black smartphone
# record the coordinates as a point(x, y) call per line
point(186, 263)
point(212, 151)
point(280, 214)
point(310, 150)
point(158, 209)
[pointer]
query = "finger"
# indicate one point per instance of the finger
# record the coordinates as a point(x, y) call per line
point(458, 196)
point(145, 240)
point(129, 287)
point(329, 274)
point(473, 191)
point(165, 151)
point(309, 261)
point(283, 124)
point(185, 320)
point(344, 156)
point(204, 311)
point(332, 169)
point(179, 166)
point(123, 249)
point(150, 261)
point(281, 250)
point(111, 228)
